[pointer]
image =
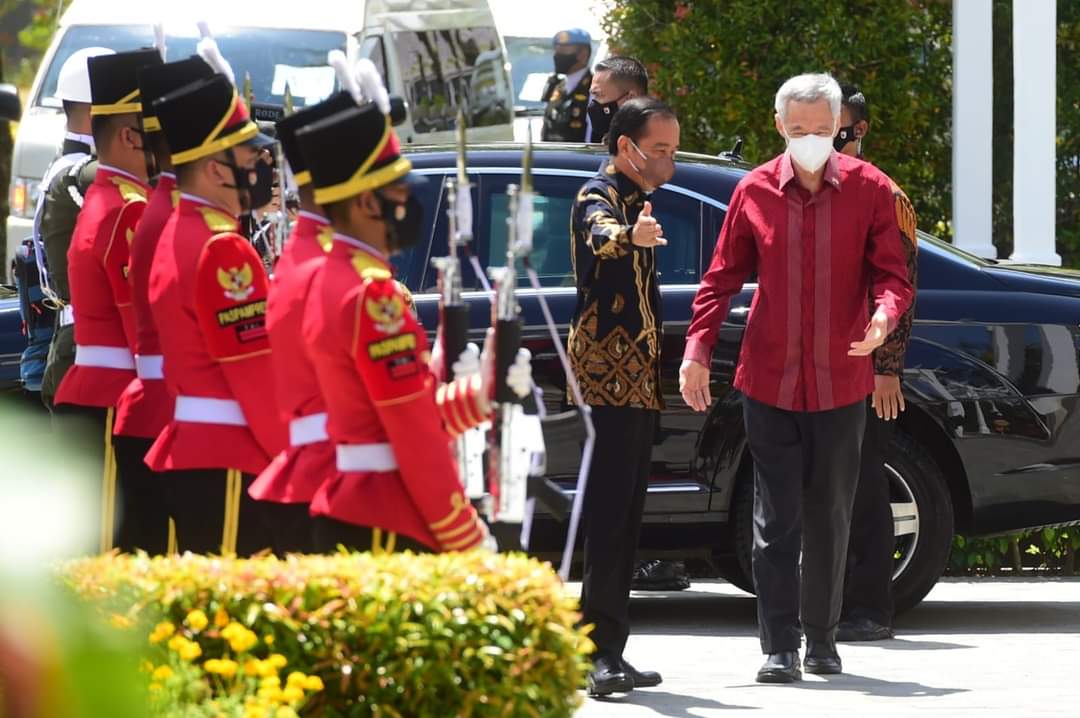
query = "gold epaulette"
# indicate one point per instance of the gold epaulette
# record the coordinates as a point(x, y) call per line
point(369, 268)
point(217, 220)
point(128, 189)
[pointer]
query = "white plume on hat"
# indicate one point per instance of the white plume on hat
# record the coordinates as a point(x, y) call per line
point(345, 75)
point(159, 40)
point(209, 51)
point(371, 85)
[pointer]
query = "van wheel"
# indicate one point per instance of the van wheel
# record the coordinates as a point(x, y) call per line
point(922, 520)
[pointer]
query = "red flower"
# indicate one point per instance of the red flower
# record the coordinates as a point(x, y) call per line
point(682, 11)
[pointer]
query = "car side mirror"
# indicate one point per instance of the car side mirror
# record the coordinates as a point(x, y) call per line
point(10, 105)
point(399, 111)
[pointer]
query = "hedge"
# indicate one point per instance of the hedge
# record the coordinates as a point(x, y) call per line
point(1043, 551)
point(471, 634)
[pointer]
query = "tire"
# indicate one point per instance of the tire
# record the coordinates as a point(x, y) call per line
point(915, 478)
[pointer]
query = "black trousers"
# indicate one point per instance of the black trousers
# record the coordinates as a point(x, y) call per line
point(806, 467)
point(330, 534)
point(142, 512)
point(289, 527)
point(868, 584)
point(614, 503)
point(197, 502)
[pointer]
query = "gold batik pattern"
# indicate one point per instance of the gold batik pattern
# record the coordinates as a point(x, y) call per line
point(612, 370)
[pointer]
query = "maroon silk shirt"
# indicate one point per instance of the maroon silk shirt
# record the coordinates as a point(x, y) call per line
point(817, 257)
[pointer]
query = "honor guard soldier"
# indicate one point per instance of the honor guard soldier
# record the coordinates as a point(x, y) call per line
point(567, 91)
point(97, 274)
point(396, 483)
point(287, 486)
point(146, 407)
point(208, 294)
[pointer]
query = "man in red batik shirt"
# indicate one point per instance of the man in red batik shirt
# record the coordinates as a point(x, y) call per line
point(820, 230)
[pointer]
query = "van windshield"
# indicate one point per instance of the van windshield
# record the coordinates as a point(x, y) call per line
point(273, 57)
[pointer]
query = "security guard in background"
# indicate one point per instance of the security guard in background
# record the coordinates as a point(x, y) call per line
point(567, 91)
point(63, 189)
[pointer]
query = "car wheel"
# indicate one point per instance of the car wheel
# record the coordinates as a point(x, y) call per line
point(922, 519)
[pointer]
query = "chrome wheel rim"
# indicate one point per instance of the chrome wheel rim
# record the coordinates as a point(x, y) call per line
point(906, 525)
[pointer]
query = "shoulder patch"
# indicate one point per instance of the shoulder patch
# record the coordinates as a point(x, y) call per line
point(389, 345)
point(128, 190)
point(230, 298)
point(217, 220)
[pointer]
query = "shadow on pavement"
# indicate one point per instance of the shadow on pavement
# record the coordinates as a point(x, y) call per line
point(904, 644)
point(670, 704)
point(989, 617)
point(877, 687)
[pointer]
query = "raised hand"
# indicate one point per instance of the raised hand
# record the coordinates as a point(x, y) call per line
point(647, 231)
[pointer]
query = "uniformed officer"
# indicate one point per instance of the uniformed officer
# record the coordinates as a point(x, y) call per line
point(396, 483)
point(63, 188)
point(208, 293)
point(145, 407)
point(288, 484)
point(567, 91)
point(97, 273)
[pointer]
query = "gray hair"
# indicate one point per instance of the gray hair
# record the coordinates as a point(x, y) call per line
point(810, 87)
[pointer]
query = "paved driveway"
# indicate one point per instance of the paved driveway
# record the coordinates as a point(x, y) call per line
point(973, 648)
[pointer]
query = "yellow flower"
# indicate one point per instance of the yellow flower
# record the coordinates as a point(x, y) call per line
point(222, 667)
point(119, 621)
point(277, 660)
point(313, 684)
point(254, 711)
point(292, 694)
point(270, 693)
point(190, 650)
point(268, 639)
point(155, 687)
point(196, 620)
point(146, 666)
point(286, 712)
point(270, 682)
point(252, 667)
point(240, 638)
point(296, 678)
point(163, 630)
point(221, 618)
point(162, 673)
point(176, 643)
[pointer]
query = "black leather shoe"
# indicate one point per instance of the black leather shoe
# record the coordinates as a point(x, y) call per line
point(657, 575)
point(862, 629)
point(642, 679)
point(822, 658)
point(608, 677)
point(780, 667)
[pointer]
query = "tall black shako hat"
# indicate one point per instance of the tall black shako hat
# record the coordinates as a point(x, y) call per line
point(156, 81)
point(353, 151)
point(114, 81)
point(206, 117)
point(288, 126)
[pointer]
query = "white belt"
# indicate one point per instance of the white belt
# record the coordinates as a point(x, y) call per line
point(67, 315)
point(104, 357)
point(150, 366)
point(366, 457)
point(203, 410)
point(310, 429)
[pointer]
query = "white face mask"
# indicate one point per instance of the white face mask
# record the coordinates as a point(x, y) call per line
point(810, 152)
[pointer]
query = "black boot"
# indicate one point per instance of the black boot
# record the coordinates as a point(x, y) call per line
point(782, 667)
point(822, 658)
point(642, 679)
point(608, 676)
point(658, 575)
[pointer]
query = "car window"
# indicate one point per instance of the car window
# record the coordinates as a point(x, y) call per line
point(273, 58)
point(530, 67)
point(447, 70)
point(437, 227)
point(678, 263)
point(374, 49)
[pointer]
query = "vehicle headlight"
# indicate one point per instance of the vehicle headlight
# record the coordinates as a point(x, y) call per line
point(22, 199)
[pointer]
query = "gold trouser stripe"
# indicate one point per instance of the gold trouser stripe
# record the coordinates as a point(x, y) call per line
point(171, 550)
point(391, 539)
point(230, 531)
point(376, 540)
point(108, 487)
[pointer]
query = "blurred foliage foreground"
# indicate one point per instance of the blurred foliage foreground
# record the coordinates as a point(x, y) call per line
point(468, 634)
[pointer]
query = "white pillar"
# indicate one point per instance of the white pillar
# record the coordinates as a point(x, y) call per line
point(973, 108)
point(1035, 123)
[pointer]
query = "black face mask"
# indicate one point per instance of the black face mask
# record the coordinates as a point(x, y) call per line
point(404, 221)
point(843, 136)
point(563, 63)
point(262, 191)
point(254, 185)
point(600, 117)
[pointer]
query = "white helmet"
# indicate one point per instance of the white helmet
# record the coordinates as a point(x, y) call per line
point(73, 83)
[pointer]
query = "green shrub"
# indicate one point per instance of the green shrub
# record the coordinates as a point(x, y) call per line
point(471, 634)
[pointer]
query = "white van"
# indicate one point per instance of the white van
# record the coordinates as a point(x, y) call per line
point(438, 55)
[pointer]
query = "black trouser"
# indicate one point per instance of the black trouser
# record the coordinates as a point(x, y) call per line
point(142, 513)
point(614, 503)
point(330, 534)
point(868, 585)
point(81, 429)
point(806, 466)
point(289, 527)
point(197, 502)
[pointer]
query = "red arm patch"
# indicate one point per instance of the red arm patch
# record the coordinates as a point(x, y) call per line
point(117, 254)
point(230, 298)
point(389, 345)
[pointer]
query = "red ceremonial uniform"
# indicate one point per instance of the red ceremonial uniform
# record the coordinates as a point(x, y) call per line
point(100, 294)
point(145, 406)
point(208, 294)
point(295, 474)
point(395, 468)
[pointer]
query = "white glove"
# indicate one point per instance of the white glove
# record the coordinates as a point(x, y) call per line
point(519, 375)
point(468, 363)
